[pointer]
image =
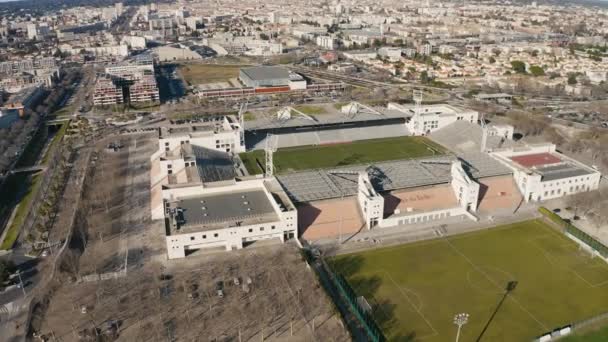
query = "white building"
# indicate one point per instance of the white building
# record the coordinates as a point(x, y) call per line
point(32, 31)
point(393, 54)
point(227, 217)
point(195, 190)
point(429, 118)
point(542, 173)
point(326, 42)
point(225, 134)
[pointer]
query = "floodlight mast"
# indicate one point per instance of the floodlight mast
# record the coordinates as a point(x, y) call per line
point(460, 320)
point(270, 148)
point(417, 97)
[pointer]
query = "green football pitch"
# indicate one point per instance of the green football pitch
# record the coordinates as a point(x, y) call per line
point(416, 289)
point(358, 152)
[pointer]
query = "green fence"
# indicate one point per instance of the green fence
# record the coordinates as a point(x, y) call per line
point(588, 240)
point(366, 320)
point(345, 299)
point(577, 233)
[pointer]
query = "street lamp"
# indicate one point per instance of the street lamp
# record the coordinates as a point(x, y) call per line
point(460, 320)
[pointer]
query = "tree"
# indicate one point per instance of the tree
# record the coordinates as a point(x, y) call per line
point(424, 77)
point(492, 60)
point(582, 201)
point(6, 268)
point(572, 79)
point(536, 70)
point(519, 67)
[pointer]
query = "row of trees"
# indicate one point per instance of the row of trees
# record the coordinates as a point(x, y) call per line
point(14, 137)
point(592, 205)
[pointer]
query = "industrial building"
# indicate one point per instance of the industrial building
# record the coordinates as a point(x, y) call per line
point(271, 76)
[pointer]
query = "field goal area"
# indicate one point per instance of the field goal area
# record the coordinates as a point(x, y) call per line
point(416, 289)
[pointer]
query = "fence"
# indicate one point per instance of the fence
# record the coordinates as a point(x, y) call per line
point(368, 323)
point(345, 300)
point(588, 240)
point(575, 232)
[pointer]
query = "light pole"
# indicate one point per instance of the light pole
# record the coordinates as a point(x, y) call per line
point(460, 320)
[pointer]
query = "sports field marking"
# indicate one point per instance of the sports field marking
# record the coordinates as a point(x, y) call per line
point(548, 255)
point(493, 282)
point(435, 333)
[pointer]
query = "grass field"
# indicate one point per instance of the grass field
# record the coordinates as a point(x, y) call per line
point(325, 156)
point(416, 289)
point(208, 73)
point(311, 110)
point(600, 335)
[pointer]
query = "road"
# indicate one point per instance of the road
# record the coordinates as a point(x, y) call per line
point(30, 274)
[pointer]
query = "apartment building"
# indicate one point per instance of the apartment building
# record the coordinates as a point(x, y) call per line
point(106, 92)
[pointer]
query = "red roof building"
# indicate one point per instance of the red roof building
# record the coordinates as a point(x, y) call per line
point(538, 159)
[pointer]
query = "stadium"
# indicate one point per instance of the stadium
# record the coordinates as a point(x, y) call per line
point(319, 161)
point(343, 172)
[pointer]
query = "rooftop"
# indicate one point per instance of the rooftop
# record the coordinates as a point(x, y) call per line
point(261, 73)
point(536, 159)
point(561, 171)
point(224, 210)
point(438, 109)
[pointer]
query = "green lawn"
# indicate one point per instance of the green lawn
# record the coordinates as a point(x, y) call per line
point(600, 335)
point(415, 289)
point(21, 213)
point(56, 139)
point(358, 152)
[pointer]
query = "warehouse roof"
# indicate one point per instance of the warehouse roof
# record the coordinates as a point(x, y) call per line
point(261, 73)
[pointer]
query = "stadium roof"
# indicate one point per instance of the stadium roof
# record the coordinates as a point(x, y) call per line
point(272, 121)
point(226, 209)
point(317, 185)
point(213, 166)
point(463, 136)
point(327, 136)
point(262, 73)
